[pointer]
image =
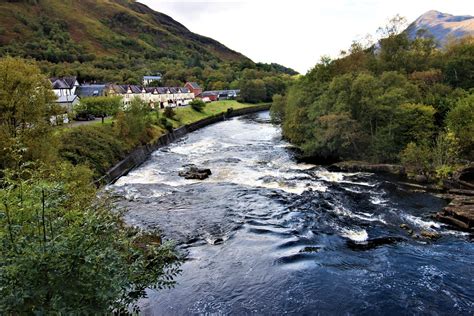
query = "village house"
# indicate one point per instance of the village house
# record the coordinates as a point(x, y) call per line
point(91, 90)
point(155, 96)
point(216, 95)
point(194, 88)
point(65, 91)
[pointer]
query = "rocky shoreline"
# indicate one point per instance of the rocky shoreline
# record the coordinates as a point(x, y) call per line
point(459, 190)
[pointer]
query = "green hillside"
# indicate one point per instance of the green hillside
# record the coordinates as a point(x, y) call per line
point(116, 40)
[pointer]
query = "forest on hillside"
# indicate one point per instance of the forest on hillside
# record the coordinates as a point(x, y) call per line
point(119, 42)
point(400, 100)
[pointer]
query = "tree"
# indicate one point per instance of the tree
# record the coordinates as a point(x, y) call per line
point(26, 104)
point(253, 91)
point(65, 251)
point(459, 67)
point(100, 106)
point(460, 120)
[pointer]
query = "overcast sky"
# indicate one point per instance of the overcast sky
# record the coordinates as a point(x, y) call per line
point(295, 33)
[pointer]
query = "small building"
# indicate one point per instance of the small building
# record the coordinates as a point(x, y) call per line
point(64, 86)
point(91, 90)
point(209, 96)
point(149, 79)
point(65, 90)
point(194, 88)
point(68, 102)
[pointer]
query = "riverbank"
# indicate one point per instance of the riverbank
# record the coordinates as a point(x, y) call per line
point(264, 228)
point(194, 122)
point(457, 190)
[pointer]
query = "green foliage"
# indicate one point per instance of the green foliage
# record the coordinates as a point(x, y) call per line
point(384, 103)
point(437, 161)
point(166, 124)
point(64, 251)
point(98, 147)
point(197, 105)
point(123, 43)
point(460, 120)
point(253, 91)
point(100, 106)
point(277, 111)
point(416, 158)
point(25, 107)
point(169, 112)
point(133, 124)
point(459, 67)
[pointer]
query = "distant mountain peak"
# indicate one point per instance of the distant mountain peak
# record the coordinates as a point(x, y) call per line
point(442, 26)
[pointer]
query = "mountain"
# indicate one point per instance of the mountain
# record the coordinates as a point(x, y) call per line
point(114, 40)
point(103, 27)
point(442, 26)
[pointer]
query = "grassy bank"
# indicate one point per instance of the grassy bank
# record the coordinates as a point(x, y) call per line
point(101, 146)
point(186, 115)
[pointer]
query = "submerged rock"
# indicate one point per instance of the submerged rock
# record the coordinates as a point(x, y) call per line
point(430, 235)
point(373, 243)
point(195, 173)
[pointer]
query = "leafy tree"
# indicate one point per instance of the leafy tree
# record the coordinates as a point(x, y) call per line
point(253, 91)
point(26, 103)
point(64, 251)
point(100, 106)
point(460, 120)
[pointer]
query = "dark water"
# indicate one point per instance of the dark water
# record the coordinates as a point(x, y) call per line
point(266, 235)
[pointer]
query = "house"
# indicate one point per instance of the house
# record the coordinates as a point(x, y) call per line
point(65, 86)
point(216, 95)
point(194, 88)
point(155, 96)
point(65, 90)
point(209, 96)
point(149, 79)
point(91, 90)
point(68, 102)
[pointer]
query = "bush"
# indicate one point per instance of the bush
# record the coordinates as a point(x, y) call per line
point(169, 112)
point(197, 105)
point(66, 252)
point(166, 124)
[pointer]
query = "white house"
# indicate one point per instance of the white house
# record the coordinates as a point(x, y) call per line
point(155, 96)
point(65, 90)
point(65, 86)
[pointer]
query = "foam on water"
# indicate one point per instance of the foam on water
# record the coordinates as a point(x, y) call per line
point(357, 235)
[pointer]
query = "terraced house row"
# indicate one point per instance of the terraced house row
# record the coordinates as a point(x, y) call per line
point(69, 92)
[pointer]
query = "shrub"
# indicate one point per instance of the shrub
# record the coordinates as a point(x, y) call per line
point(416, 158)
point(197, 105)
point(169, 112)
point(166, 124)
point(65, 252)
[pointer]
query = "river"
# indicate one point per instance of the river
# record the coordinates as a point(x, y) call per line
point(267, 235)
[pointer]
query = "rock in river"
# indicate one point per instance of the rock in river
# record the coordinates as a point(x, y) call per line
point(195, 173)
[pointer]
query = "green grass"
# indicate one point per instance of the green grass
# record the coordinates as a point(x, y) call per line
point(186, 115)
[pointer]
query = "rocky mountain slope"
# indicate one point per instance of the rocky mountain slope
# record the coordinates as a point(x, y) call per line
point(442, 26)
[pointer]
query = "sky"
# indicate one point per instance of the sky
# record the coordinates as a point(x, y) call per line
point(296, 33)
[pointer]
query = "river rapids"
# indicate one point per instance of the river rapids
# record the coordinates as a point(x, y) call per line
point(268, 235)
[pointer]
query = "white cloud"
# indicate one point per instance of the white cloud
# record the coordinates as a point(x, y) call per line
point(295, 33)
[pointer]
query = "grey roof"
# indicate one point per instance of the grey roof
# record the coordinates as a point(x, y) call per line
point(91, 90)
point(209, 93)
point(63, 83)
